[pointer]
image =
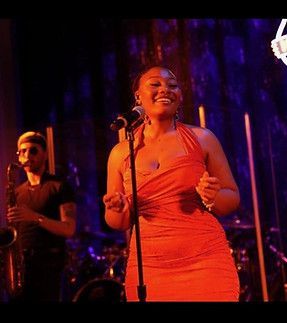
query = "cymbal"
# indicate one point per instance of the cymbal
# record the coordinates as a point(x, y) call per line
point(92, 235)
point(100, 235)
point(237, 224)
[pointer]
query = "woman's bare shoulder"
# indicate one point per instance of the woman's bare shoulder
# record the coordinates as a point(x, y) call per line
point(120, 150)
point(199, 131)
point(206, 138)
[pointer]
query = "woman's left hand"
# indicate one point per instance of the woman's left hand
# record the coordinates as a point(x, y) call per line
point(207, 188)
point(116, 201)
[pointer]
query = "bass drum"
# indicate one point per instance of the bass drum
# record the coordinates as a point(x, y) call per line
point(101, 290)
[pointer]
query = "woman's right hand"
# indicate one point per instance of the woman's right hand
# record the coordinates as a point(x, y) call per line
point(116, 202)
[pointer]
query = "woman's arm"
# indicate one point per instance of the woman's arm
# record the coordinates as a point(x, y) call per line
point(117, 212)
point(217, 186)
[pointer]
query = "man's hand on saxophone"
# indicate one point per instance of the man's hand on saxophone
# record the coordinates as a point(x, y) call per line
point(22, 213)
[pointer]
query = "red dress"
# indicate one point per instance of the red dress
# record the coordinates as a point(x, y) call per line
point(185, 252)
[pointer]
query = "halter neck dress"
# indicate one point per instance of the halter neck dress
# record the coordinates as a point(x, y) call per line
point(185, 253)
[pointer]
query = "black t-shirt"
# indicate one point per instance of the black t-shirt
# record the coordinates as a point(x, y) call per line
point(45, 199)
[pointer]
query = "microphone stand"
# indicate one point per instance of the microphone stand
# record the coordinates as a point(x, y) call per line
point(141, 288)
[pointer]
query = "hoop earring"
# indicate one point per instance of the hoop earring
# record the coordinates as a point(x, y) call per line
point(146, 119)
point(138, 102)
point(175, 118)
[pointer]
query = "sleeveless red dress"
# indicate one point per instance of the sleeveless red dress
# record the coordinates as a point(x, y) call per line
point(185, 252)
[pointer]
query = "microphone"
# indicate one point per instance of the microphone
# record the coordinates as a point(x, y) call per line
point(127, 119)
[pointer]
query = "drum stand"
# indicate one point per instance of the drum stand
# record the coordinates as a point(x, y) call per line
point(278, 253)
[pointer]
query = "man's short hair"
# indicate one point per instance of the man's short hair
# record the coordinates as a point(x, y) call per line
point(33, 137)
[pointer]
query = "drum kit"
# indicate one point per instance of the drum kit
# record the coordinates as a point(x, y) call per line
point(242, 242)
point(243, 247)
point(95, 268)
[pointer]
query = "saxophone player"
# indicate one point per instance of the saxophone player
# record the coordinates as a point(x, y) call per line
point(45, 212)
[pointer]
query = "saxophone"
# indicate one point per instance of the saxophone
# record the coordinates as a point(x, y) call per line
point(10, 242)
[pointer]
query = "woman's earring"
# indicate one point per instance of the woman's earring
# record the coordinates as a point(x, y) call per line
point(138, 101)
point(146, 119)
point(175, 118)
